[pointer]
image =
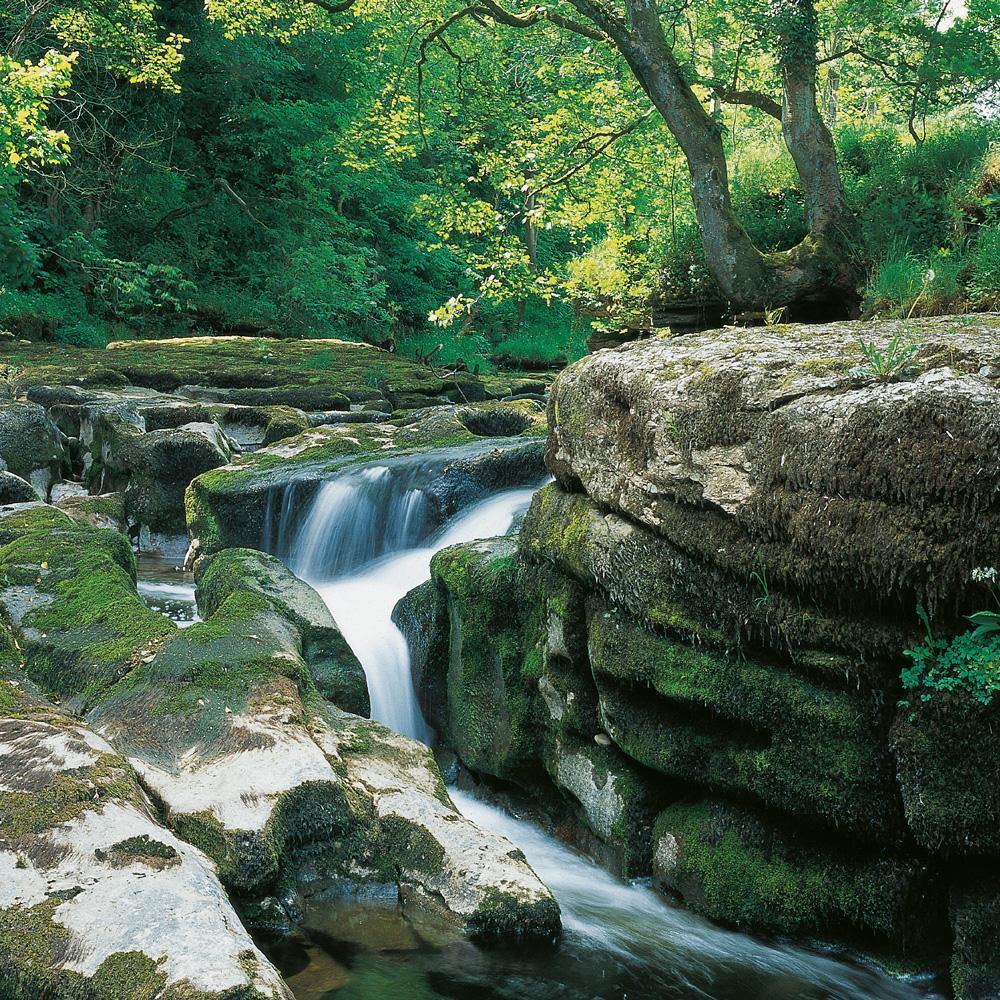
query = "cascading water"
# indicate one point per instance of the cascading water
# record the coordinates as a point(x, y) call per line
point(367, 539)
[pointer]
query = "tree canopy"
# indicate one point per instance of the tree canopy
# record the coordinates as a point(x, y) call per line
point(386, 169)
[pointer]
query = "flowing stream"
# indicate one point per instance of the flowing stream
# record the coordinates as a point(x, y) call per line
point(366, 540)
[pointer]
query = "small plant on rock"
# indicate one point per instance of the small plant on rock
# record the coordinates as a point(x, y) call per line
point(893, 362)
point(968, 662)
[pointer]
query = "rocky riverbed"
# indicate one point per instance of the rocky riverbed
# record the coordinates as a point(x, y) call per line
point(690, 659)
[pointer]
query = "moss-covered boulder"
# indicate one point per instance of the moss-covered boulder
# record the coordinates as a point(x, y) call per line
point(31, 445)
point(69, 593)
point(738, 867)
point(14, 489)
point(234, 505)
point(862, 486)
point(493, 713)
point(231, 736)
point(335, 670)
point(97, 899)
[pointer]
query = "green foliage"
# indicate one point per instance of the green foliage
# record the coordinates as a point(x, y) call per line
point(968, 662)
point(984, 285)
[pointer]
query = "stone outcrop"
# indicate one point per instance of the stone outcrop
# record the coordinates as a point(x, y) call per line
point(491, 445)
point(31, 446)
point(698, 637)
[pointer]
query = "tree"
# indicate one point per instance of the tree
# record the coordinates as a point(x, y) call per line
point(779, 45)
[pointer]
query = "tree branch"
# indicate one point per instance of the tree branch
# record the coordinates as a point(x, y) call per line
point(748, 98)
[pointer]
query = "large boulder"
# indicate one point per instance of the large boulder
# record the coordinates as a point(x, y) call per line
point(846, 473)
point(31, 445)
point(229, 733)
point(97, 899)
point(334, 668)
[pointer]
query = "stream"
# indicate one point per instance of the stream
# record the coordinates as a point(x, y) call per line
point(366, 539)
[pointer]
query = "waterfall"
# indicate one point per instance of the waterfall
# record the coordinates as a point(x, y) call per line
point(366, 541)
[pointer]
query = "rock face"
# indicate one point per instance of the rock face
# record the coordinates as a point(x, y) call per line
point(841, 480)
point(698, 638)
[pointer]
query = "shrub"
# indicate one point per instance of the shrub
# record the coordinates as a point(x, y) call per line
point(984, 283)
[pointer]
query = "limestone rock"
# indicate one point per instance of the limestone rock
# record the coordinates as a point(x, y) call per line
point(31, 445)
point(338, 675)
point(790, 434)
point(94, 893)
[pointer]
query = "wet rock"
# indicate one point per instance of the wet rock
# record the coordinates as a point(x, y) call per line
point(230, 506)
point(228, 732)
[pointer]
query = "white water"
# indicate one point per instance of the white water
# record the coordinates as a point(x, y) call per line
point(601, 913)
point(606, 921)
point(342, 528)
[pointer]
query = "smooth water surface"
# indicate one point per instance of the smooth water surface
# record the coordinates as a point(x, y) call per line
point(166, 588)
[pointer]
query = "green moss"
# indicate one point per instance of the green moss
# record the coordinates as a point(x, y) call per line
point(90, 623)
point(65, 796)
point(143, 849)
point(22, 522)
point(736, 868)
point(948, 763)
point(410, 846)
point(502, 914)
point(796, 745)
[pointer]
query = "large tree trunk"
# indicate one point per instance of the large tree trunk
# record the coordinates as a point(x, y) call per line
point(815, 277)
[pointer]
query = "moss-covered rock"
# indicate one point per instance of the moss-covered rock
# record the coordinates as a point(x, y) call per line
point(744, 727)
point(616, 799)
point(14, 489)
point(494, 712)
point(334, 668)
point(975, 916)
point(96, 899)
point(855, 487)
point(307, 374)
point(736, 866)
point(681, 594)
point(69, 592)
point(948, 760)
point(31, 445)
